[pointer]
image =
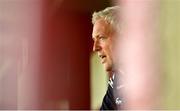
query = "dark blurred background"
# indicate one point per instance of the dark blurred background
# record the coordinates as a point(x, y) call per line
point(66, 48)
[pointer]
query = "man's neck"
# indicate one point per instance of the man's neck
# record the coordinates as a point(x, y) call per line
point(110, 73)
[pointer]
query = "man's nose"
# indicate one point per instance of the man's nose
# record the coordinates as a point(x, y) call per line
point(96, 46)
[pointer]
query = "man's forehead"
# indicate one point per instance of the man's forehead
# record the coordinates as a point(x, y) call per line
point(100, 27)
point(101, 24)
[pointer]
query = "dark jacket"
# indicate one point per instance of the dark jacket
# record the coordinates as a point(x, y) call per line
point(112, 99)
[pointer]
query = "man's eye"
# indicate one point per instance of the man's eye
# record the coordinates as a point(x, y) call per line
point(102, 38)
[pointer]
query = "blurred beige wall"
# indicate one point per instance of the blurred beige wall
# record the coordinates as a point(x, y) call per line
point(98, 82)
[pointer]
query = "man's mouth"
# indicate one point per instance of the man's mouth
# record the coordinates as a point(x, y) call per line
point(103, 58)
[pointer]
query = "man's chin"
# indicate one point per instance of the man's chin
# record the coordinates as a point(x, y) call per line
point(107, 68)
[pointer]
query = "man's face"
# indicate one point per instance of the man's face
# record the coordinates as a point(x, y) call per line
point(103, 43)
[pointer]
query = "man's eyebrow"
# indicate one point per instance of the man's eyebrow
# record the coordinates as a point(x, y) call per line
point(97, 36)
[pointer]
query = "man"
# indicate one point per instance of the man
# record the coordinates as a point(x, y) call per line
point(105, 29)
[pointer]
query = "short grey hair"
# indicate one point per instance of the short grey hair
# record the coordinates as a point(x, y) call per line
point(109, 14)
